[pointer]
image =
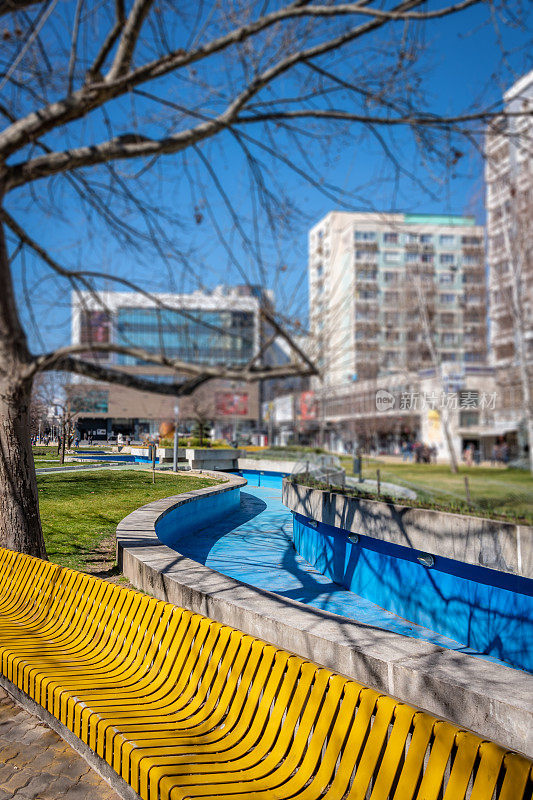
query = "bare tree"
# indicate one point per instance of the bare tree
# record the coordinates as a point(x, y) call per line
point(90, 86)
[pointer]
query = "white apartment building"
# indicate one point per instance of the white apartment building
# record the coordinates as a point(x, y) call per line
point(509, 201)
point(395, 293)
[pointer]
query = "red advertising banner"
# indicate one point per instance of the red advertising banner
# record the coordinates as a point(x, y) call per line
point(229, 404)
point(308, 406)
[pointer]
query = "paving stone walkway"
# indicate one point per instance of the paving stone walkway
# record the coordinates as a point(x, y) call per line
point(36, 764)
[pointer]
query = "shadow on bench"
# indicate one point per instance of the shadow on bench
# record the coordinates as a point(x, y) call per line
point(181, 706)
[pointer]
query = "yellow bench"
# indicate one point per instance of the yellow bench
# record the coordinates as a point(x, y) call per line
point(184, 707)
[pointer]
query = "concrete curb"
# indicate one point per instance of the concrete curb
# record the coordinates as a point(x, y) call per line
point(494, 701)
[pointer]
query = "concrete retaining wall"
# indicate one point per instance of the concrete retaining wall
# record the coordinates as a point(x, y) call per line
point(203, 459)
point(267, 465)
point(472, 540)
point(493, 700)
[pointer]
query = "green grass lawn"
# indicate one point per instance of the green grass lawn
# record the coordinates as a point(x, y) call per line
point(45, 456)
point(80, 511)
point(494, 491)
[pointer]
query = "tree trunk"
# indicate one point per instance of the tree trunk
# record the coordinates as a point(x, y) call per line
point(63, 435)
point(20, 524)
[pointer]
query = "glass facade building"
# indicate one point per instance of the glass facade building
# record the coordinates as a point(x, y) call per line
point(202, 337)
point(217, 329)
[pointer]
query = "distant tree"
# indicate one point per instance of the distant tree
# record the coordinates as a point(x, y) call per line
point(202, 420)
point(89, 87)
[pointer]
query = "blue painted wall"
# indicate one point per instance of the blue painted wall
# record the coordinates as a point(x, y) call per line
point(126, 458)
point(190, 517)
point(265, 477)
point(489, 611)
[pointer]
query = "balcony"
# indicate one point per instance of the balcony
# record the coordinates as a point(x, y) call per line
point(363, 283)
point(367, 303)
point(367, 325)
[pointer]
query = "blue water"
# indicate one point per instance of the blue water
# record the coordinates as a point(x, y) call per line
point(254, 544)
point(126, 458)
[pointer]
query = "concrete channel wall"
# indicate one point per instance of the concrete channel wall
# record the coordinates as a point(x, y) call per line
point(493, 700)
point(482, 542)
point(266, 465)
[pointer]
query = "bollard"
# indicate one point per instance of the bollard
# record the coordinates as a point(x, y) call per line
point(378, 473)
point(358, 465)
point(467, 492)
point(153, 462)
point(175, 450)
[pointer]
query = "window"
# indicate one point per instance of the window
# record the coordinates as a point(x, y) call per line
point(365, 236)
point(365, 255)
point(449, 339)
point(411, 258)
point(392, 256)
point(471, 240)
point(446, 298)
point(502, 268)
point(446, 258)
point(390, 277)
point(391, 357)
point(391, 297)
point(446, 277)
point(367, 274)
point(392, 318)
point(447, 239)
point(390, 238)
point(447, 319)
point(427, 258)
point(411, 237)
point(426, 238)
point(470, 261)
point(468, 418)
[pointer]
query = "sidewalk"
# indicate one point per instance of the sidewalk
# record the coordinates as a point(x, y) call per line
point(36, 764)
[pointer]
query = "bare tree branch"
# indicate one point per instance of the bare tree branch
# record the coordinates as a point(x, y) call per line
point(111, 38)
point(128, 39)
point(419, 119)
point(94, 96)
point(13, 6)
point(74, 45)
point(58, 360)
point(97, 372)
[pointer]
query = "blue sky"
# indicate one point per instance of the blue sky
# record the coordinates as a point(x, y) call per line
point(466, 63)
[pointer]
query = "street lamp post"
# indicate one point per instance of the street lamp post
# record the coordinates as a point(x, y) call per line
point(176, 438)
